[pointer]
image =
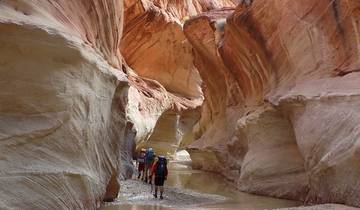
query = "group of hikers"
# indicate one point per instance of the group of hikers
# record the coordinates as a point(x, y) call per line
point(152, 169)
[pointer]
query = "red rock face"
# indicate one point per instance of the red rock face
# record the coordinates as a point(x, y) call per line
point(154, 44)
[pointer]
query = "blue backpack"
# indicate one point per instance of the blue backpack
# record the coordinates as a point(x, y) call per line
point(161, 167)
point(149, 156)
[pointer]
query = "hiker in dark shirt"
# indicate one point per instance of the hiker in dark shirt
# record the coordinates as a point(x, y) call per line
point(160, 171)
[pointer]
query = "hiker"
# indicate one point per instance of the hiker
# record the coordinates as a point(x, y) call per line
point(152, 175)
point(161, 172)
point(141, 164)
point(149, 159)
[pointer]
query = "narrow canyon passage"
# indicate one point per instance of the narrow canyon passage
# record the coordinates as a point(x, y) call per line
point(262, 94)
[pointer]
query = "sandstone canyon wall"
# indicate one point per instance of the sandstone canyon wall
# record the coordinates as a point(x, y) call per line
point(155, 47)
point(264, 92)
point(60, 103)
point(289, 70)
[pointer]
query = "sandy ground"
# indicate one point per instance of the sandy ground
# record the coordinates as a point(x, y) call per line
point(138, 193)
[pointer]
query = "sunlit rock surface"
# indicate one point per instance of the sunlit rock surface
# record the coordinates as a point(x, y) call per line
point(172, 131)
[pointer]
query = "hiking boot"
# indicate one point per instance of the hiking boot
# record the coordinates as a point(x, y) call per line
point(155, 195)
point(161, 197)
point(139, 176)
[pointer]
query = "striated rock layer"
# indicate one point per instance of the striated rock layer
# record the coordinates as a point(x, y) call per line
point(61, 121)
point(289, 71)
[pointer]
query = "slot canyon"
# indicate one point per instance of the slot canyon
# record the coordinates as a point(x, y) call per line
point(261, 92)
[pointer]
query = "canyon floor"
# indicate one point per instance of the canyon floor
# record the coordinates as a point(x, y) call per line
point(191, 189)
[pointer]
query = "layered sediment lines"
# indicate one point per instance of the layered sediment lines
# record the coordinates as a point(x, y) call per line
point(295, 65)
point(60, 122)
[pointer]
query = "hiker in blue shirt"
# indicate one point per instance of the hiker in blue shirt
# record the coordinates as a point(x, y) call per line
point(149, 159)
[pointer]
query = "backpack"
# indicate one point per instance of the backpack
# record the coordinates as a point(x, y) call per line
point(161, 167)
point(149, 156)
point(141, 158)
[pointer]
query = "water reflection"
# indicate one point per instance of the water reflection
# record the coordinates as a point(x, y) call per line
point(183, 176)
